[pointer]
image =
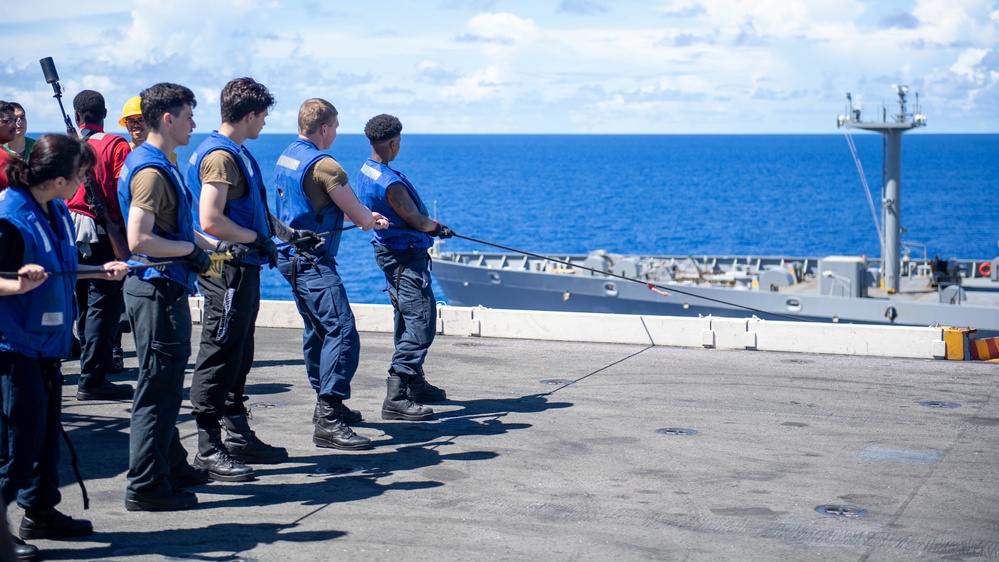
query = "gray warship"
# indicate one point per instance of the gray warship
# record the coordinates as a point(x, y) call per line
point(896, 289)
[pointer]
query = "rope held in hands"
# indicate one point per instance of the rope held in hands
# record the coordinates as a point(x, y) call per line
point(216, 257)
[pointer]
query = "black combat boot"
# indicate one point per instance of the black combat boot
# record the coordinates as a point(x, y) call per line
point(331, 431)
point(52, 524)
point(346, 415)
point(423, 392)
point(244, 445)
point(214, 457)
point(171, 500)
point(25, 552)
point(398, 405)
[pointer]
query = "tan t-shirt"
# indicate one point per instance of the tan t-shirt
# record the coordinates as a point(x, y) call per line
point(153, 191)
point(221, 166)
point(321, 180)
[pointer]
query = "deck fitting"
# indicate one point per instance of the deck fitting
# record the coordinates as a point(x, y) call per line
point(939, 404)
point(841, 510)
point(267, 405)
point(676, 431)
point(556, 382)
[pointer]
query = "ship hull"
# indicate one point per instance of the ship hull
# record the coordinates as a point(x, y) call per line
point(465, 284)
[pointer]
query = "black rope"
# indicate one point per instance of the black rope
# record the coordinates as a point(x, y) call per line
point(50, 370)
point(74, 462)
point(15, 275)
point(646, 283)
point(294, 241)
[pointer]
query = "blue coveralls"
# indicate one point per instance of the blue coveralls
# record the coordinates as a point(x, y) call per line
point(35, 331)
point(402, 255)
point(157, 307)
point(330, 340)
point(231, 301)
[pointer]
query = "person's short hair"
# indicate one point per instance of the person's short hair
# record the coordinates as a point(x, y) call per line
point(17, 106)
point(313, 114)
point(163, 98)
point(90, 106)
point(51, 157)
point(243, 96)
point(381, 128)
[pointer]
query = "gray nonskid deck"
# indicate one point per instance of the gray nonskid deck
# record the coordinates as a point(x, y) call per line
point(514, 469)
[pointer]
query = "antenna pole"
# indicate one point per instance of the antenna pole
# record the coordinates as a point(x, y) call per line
point(891, 202)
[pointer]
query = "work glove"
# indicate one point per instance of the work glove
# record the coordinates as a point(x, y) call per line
point(305, 240)
point(198, 260)
point(236, 250)
point(267, 247)
point(441, 231)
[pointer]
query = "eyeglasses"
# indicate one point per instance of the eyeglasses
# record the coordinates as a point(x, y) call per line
point(135, 121)
point(10, 120)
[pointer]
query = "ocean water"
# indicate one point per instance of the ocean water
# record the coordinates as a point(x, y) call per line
point(798, 195)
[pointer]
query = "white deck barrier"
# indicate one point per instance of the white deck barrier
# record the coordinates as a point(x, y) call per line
point(713, 333)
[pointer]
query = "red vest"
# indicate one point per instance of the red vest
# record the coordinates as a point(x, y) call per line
point(111, 151)
point(3, 165)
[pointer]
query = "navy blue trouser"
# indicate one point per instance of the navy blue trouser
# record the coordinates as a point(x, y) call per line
point(101, 303)
point(161, 324)
point(226, 353)
point(408, 275)
point(330, 341)
point(29, 430)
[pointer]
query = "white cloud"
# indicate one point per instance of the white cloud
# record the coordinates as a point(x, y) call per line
point(676, 66)
point(477, 86)
point(966, 65)
point(502, 27)
point(948, 22)
point(777, 19)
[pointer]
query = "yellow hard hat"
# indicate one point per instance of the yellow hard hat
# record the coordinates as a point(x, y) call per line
point(131, 109)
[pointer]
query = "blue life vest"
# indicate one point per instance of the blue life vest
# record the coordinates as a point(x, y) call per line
point(144, 156)
point(372, 184)
point(294, 207)
point(39, 323)
point(249, 211)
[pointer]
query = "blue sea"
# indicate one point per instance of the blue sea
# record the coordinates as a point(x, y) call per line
point(797, 195)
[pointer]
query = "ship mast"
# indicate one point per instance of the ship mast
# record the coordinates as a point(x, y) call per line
point(891, 128)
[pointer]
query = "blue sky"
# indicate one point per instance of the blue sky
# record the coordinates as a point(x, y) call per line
point(542, 66)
